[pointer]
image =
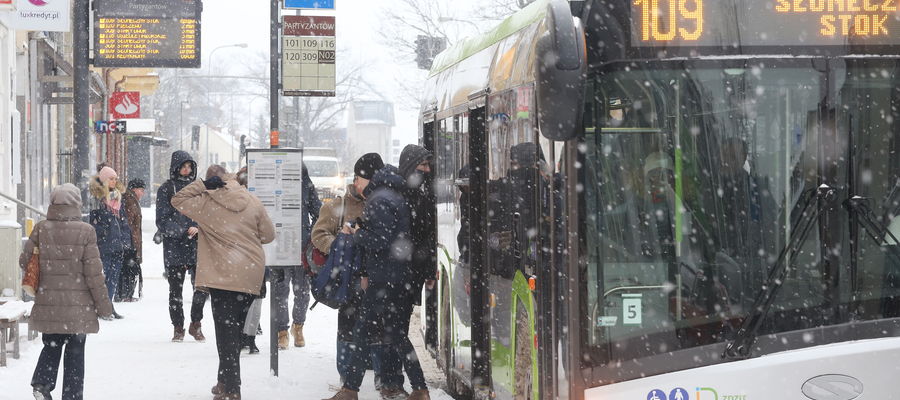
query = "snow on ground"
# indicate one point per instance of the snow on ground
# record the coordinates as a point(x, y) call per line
point(134, 358)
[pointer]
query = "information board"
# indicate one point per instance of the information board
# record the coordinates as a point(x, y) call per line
point(148, 34)
point(308, 59)
point(275, 177)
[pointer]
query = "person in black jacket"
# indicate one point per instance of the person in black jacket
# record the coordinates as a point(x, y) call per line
point(383, 240)
point(109, 221)
point(180, 246)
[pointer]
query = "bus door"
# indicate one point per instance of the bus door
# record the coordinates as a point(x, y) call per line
point(514, 245)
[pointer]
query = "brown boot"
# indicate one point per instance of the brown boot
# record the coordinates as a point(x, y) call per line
point(194, 330)
point(420, 394)
point(227, 396)
point(297, 332)
point(179, 334)
point(218, 389)
point(282, 340)
point(344, 394)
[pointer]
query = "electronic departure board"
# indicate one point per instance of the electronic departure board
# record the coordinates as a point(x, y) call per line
point(666, 23)
point(152, 33)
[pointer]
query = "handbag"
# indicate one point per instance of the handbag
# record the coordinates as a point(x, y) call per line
point(32, 278)
point(313, 258)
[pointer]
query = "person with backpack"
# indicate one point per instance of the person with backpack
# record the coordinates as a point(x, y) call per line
point(333, 219)
point(180, 246)
point(382, 239)
point(109, 221)
point(71, 293)
point(283, 280)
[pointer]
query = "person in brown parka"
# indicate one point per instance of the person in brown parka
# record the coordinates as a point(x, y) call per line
point(71, 293)
point(230, 261)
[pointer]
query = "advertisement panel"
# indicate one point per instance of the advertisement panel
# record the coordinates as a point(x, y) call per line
point(41, 15)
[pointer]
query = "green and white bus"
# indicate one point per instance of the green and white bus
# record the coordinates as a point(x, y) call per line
point(670, 199)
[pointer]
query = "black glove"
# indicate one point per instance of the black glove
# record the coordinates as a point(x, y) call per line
point(214, 183)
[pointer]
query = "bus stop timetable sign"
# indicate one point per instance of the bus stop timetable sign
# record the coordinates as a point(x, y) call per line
point(310, 4)
point(308, 67)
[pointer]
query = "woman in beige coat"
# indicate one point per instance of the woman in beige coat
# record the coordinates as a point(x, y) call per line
point(230, 261)
point(71, 293)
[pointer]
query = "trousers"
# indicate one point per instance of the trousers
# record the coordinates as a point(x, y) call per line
point(175, 275)
point(47, 368)
point(229, 311)
point(283, 280)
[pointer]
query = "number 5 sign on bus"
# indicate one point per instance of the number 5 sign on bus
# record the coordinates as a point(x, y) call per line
point(308, 56)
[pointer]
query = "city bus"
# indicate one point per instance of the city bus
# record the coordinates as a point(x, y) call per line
point(669, 199)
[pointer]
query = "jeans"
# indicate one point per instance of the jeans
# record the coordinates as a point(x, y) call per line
point(175, 276)
point(382, 310)
point(112, 267)
point(282, 282)
point(229, 311)
point(73, 369)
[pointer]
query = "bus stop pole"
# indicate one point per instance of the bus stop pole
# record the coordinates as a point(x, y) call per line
point(274, 58)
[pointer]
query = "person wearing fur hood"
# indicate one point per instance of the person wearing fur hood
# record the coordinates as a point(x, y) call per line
point(109, 221)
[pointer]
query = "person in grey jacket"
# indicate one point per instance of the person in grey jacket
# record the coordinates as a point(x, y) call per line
point(71, 293)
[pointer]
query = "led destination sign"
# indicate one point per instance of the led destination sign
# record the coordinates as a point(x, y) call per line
point(765, 22)
point(149, 33)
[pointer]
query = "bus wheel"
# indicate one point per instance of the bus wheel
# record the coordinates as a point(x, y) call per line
point(524, 348)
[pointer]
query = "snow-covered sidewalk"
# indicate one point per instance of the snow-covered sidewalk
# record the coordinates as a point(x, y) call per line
point(134, 358)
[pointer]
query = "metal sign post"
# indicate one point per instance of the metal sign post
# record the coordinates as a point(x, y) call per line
point(275, 177)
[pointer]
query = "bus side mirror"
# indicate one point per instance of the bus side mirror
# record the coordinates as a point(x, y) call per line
point(560, 66)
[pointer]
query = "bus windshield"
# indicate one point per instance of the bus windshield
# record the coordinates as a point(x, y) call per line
point(694, 179)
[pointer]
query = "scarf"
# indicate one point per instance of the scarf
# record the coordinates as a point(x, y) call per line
point(113, 200)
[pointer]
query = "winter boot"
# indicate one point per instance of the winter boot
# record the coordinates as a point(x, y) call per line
point(282, 340)
point(41, 393)
point(297, 332)
point(179, 334)
point(419, 394)
point(393, 394)
point(218, 389)
point(227, 396)
point(250, 343)
point(194, 330)
point(344, 394)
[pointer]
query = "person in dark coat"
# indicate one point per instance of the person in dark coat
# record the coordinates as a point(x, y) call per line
point(131, 267)
point(383, 239)
point(180, 246)
point(284, 280)
point(113, 232)
point(415, 168)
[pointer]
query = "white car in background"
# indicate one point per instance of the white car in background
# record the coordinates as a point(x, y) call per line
point(325, 173)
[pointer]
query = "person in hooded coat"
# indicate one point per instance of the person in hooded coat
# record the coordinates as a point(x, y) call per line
point(180, 246)
point(382, 238)
point(231, 262)
point(71, 294)
point(131, 267)
point(109, 221)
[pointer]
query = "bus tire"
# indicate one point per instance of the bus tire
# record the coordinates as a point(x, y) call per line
point(524, 348)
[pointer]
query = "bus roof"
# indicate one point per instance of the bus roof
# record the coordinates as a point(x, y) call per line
point(467, 47)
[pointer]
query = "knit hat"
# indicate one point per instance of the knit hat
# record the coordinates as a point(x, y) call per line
point(367, 165)
point(107, 173)
point(136, 184)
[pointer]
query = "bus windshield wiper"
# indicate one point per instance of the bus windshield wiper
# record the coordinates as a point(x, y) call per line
point(876, 229)
point(814, 203)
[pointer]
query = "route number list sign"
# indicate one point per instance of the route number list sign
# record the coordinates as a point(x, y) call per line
point(147, 34)
point(308, 67)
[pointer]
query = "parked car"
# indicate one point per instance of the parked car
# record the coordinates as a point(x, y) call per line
point(326, 175)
